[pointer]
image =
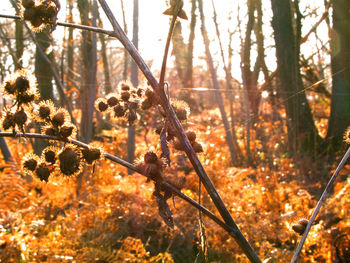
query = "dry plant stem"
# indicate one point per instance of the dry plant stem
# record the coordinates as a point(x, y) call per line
point(130, 166)
point(236, 233)
point(318, 206)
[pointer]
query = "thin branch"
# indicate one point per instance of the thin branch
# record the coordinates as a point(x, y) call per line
point(130, 166)
point(240, 239)
point(318, 206)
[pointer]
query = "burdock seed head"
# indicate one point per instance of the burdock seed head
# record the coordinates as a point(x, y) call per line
point(125, 96)
point(20, 118)
point(132, 116)
point(43, 172)
point(27, 3)
point(49, 154)
point(60, 117)
point(45, 109)
point(191, 135)
point(22, 83)
point(101, 105)
point(124, 86)
point(69, 160)
point(9, 88)
point(66, 130)
point(30, 162)
point(8, 121)
point(150, 157)
point(112, 100)
point(50, 131)
point(119, 110)
point(91, 154)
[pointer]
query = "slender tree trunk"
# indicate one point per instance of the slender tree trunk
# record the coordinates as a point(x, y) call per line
point(107, 78)
point(228, 77)
point(43, 74)
point(89, 56)
point(219, 99)
point(189, 53)
point(19, 42)
point(302, 134)
point(70, 49)
point(340, 47)
point(126, 56)
point(134, 81)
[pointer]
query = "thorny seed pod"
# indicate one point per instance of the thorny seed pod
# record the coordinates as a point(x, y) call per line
point(125, 96)
point(191, 135)
point(112, 100)
point(197, 147)
point(150, 157)
point(66, 130)
point(45, 109)
point(8, 121)
point(27, 3)
point(49, 154)
point(146, 104)
point(119, 110)
point(36, 21)
point(30, 162)
point(25, 98)
point(181, 109)
point(149, 93)
point(43, 172)
point(30, 13)
point(159, 128)
point(50, 131)
point(91, 154)
point(22, 83)
point(20, 118)
point(124, 86)
point(101, 105)
point(69, 160)
point(60, 117)
point(9, 88)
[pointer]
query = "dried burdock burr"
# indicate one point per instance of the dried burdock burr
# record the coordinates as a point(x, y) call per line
point(150, 157)
point(119, 110)
point(9, 88)
point(30, 162)
point(125, 96)
point(60, 117)
point(131, 116)
point(43, 172)
point(22, 83)
point(20, 117)
point(101, 105)
point(66, 130)
point(91, 154)
point(45, 109)
point(146, 104)
point(69, 160)
point(197, 147)
point(191, 135)
point(27, 3)
point(49, 154)
point(50, 131)
point(124, 86)
point(8, 121)
point(112, 100)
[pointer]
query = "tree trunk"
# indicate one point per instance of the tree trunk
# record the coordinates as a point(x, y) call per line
point(219, 99)
point(89, 57)
point(340, 52)
point(134, 81)
point(19, 42)
point(302, 134)
point(43, 74)
point(70, 49)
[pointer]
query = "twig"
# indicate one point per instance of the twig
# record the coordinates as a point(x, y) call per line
point(240, 239)
point(130, 166)
point(318, 206)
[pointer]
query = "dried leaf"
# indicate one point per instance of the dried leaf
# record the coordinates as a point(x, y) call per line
point(163, 208)
point(164, 145)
